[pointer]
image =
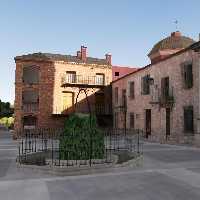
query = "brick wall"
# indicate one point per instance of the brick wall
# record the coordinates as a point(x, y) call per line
point(50, 90)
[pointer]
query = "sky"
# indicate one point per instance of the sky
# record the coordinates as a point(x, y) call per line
point(127, 29)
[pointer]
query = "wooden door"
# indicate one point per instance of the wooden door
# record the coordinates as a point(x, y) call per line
point(148, 122)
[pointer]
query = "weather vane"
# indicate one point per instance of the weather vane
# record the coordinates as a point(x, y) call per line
point(176, 23)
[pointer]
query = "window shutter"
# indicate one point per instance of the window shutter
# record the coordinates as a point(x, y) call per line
point(190, 76)
point(147, 84)
point(128, 89)
point(132, 120)
point(132, 89)
point(162, 89)
point(188, 119)
point(142, 85)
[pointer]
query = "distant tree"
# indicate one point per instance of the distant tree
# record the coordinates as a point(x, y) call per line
point(6, 110)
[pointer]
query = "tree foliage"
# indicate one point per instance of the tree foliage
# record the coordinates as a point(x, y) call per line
point(7, 121)
point(82, 139)
point(6, 110)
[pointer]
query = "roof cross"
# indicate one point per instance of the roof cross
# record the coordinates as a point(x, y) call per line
point(176, 24)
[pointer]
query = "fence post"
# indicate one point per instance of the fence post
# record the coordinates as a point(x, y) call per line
point(138, 141)
point(19, 159)
point(52, 149)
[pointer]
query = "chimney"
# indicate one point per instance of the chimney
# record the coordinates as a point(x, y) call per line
point(83, 53)
point(176, 34)
point(79, 54)
point(108, 58)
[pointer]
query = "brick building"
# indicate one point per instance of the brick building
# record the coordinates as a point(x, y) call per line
point(163, 98)
point(120, 71)
point(46, 88)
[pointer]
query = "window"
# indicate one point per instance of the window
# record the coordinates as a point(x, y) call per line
point(116, 95)
point(145, 85)
point(30, 101)
point(132, 120)
point(99, 79)
point(71, 77)
point(29, 122)
point(187, 76)
point(116, 120)
point(165, 88)
point(188, 119)
point(123, 97)
point(31, 74)
point(30, 97)
point(116, 73)
point(132, 90)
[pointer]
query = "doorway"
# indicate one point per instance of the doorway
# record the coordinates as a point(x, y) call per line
point(148, 122)
point(168, 112)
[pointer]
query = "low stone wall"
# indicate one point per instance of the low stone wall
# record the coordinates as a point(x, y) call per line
point(135, 162)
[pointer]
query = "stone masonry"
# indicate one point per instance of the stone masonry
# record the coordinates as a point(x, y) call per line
point(169, 67)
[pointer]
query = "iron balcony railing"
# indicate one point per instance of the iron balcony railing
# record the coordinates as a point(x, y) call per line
point(84, 80)
point(30, 107)
point(163, 97)
point(167, 96)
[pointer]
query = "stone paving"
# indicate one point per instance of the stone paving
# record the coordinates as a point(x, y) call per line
point(169, 172)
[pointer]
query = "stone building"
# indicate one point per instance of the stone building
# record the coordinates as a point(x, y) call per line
point(163, 98)
point(46, 88)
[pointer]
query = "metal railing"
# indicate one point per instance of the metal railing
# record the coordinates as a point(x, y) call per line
point(45, 147)
point(167, 96)
point(162, 97)
point(30, 107)
point(84, 80)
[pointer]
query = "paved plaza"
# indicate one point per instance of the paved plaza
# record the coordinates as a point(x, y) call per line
point(169, 172)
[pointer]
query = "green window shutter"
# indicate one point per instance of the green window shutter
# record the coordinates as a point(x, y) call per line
point(142, 85)
point(147, 84)
point(132, 90)
point(188, 119)
point(189, 76)
point(132, 120)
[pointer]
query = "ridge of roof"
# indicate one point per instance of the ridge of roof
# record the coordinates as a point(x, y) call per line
point(60, 57)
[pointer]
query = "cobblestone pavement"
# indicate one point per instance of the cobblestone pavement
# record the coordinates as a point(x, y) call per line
point(169, 172)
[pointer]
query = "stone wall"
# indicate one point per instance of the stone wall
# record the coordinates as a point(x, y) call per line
point(170, 67)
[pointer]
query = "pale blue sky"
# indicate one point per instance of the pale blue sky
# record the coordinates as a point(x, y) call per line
point(126, 28)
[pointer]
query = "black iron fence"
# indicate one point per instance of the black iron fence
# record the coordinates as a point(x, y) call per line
point(54, 147)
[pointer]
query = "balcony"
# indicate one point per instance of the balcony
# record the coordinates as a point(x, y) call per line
point(164, 97)
point(84, 81)
point(122, 107)
point(30, 107)
point(167, 97)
